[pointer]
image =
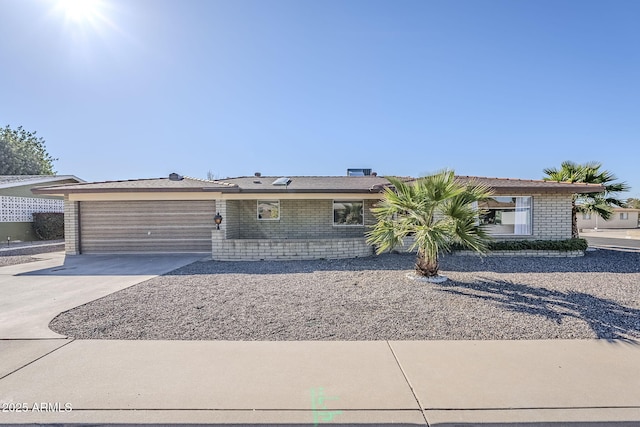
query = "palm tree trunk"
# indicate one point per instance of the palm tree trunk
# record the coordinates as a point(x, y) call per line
point(574, 221)
point(425, 265)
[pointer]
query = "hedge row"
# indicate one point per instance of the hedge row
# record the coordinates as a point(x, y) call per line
point(48, 226)
point(541, 245)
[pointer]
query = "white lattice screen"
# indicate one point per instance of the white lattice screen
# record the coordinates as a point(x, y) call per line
point(19, 209)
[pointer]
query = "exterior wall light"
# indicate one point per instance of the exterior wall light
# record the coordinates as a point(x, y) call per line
point(217, 219)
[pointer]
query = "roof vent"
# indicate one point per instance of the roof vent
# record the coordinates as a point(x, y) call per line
point(257, 174)
point(175, 177)
point(281, 181)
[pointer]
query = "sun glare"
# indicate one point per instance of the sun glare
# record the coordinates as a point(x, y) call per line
point(80, 10)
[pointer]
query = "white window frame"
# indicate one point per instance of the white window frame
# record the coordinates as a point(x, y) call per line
point(529, 222)
point(333, 213)
point(259, 218)
point(586, 216)
point(624, 216)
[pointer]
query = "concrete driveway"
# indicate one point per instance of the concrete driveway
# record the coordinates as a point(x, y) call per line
point(34, 293)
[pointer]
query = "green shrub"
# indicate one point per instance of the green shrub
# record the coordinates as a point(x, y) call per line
point(48, 226)
point(538, 245)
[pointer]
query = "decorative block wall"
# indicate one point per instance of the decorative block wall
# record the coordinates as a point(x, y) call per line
point(21, 209)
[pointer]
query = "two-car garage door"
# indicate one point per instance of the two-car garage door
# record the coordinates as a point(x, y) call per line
point(146, 226)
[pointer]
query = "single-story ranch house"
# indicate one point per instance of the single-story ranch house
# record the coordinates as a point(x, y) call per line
point(271, 217)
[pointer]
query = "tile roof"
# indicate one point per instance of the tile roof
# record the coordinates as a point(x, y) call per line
point(502, 184)
point(304, 184)
point(18, 178)
point(138, 185)
point(310, 184)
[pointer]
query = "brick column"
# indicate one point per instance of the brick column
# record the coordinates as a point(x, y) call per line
point(218, 236)
point(71, 227)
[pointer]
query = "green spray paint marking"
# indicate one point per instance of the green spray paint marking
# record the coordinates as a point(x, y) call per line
point(319, 407)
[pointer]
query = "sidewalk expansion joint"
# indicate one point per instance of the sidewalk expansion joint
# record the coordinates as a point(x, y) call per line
point(38, 358)
point(406, 378)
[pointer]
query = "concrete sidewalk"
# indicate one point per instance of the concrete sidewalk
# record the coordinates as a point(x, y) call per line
point(315, 383)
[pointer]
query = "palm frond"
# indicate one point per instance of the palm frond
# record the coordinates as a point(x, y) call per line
point(590, 173)
point(436, 210)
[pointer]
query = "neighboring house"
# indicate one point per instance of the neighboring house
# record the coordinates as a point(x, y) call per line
point(17, 203)
point(621, 218)
point(300, 217)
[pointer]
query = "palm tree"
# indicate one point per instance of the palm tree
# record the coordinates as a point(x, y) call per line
point(589, 173)
point(437, 210)
point(633, 203)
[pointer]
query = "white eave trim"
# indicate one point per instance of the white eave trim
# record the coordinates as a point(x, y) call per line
point(35, 181)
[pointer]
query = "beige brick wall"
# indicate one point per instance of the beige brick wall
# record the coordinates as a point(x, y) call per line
point(233, 221)
point(71, 230)
point(299, 219)
point(305, 230)
point(311, 222)
point(286, 249)
point(551, 218)
point(226, 227)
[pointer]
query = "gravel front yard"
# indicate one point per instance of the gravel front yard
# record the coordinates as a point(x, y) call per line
point(24, 254)
point(597, 296)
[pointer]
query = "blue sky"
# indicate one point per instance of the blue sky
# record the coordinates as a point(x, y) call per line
point(142, 88)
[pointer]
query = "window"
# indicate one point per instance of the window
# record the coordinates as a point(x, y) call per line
point(586, 215)
point(624, 216)
point(348, 212)
point(506, 215)
point(268, 209)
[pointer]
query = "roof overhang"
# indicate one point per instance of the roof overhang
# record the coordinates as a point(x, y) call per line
point(40, 180)
point(203, 190)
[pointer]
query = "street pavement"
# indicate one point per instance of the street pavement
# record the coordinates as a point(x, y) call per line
point(622, 239)
point(56, 380)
